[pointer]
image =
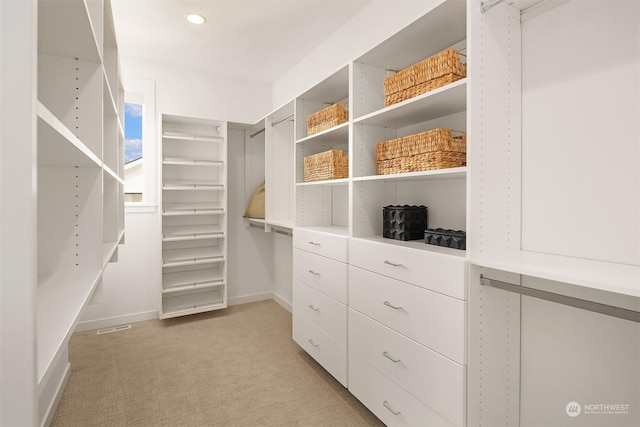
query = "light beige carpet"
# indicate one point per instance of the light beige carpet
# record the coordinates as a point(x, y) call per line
point(234, 367)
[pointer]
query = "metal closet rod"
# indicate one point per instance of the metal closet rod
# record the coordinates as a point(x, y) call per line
point(596, 307)
point(256, 133)
point(282, 119)
point(486, 5)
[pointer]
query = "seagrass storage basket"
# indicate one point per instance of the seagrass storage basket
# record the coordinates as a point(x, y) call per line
point(438, 148)
point(326, 118)
point(429, 74)
point(330, 164)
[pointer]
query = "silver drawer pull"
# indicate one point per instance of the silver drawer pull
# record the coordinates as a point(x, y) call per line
point(388, 304)
point(386, 405)
point(313, 308)
point(388, 356)
point(314, 243)
point(314, 272)
point(393, 263)
point(314, 344)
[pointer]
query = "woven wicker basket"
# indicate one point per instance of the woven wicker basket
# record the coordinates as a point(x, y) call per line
point(434, 72)
point(438, 148)
point(326, 118)
point(330, 164)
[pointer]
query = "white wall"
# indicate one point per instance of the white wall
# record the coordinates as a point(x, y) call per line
point(131, 287)
point(198, 93)
point(369, 27)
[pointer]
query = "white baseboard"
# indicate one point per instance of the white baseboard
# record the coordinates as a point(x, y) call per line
point(116, 321)
point(57, 395)
point(282, 302)
point(249, 298)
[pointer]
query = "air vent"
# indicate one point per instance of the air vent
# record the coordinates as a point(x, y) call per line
point(114, 329)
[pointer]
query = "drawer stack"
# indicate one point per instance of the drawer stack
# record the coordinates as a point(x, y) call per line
point(320, 279)
point(407, 329)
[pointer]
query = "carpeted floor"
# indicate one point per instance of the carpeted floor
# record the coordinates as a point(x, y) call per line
point(234, 367)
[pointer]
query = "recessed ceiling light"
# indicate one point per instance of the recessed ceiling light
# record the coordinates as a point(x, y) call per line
point(195, 18)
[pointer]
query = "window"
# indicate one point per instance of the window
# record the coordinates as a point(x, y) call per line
point(133, 168)
point(140, 145)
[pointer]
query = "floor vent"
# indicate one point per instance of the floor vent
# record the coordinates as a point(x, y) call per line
point(114, 329)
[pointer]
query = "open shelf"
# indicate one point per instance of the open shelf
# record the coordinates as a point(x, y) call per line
point(191, 137)
point(450, 173)
point(65, 29)
point(190, 161)
point(327, 182)
point(192, 185)
point(174, 305)
point(444, 101)
point(57, 146)
point(338, 133)
point(604, 276)
point(192, 232)
point(192, 279)
point(169, 209)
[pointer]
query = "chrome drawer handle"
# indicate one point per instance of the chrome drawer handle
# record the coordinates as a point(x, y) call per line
point(314, 243)
point(393, 263)
point(313, 308)
point(386, 405)
point(388, 304)
point(388, 356)
point(314, 272)
point(314, 344)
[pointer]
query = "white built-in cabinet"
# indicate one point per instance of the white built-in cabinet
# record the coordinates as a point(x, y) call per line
point(77, 193)
point(555, 202)
point(550, 200)
point(194, 209)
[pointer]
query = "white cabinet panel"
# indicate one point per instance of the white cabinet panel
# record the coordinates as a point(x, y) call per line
point(437, 381)
point(331, 354)
point(441, 273)
point(433, 319)
point(325, 244)
point(327, 313)
point(324, 274)
point(389, 402)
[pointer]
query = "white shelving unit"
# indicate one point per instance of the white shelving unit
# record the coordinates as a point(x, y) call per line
point(279, 155)
point(552, 210)
point(76, 196)
point(194, 225)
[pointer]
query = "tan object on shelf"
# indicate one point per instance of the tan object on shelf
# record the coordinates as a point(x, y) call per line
point(434, 72)
point(330, 164)
point(256, 208)
point(326, 118)
point(434, 149)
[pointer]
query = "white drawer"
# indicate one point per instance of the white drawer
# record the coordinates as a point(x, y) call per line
point(326, 275)
point(432, 378)
point(439, 272)
point(389, 402)
point(331, 354)
point(327, 313)
point(326, 244)
point(434, 320)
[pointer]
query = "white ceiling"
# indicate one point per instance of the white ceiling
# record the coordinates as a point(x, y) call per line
point(255, 40)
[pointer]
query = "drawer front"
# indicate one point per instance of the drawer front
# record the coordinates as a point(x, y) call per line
point(438, 272)
point(389, 402)
point(330, 245)
point(434, 320)
point(328, 352)
point(435, 380)
point(326, 275)
point(325, 312)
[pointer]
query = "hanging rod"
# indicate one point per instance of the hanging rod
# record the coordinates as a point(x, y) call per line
point(282, 119)
point(486, 5)
point(596, 307)
point(256, 133)
point(286, 233)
